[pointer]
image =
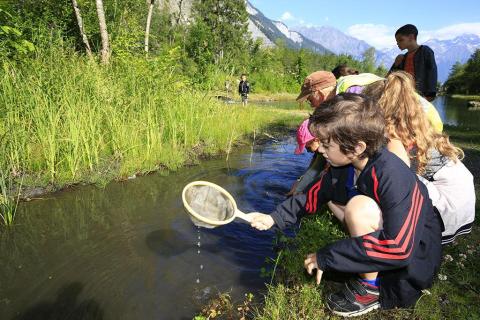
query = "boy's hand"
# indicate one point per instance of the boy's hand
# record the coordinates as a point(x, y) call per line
point(261, 221)
point(398, 60)
point(293, 190)
point(311, 264)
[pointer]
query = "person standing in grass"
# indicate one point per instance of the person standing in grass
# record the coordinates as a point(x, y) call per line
point(419, 61)
point(394, 248)
point(244, 89)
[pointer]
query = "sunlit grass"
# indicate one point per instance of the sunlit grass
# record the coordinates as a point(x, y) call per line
point(8, 203)
point(66, 120)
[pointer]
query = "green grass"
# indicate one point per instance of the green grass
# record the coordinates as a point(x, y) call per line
point(65, 120)
point(8, 204)
point(466, 97)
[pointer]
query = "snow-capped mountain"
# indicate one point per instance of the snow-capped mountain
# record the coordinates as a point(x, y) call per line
point(447, 53)
point(271, 31)
point(335, 40)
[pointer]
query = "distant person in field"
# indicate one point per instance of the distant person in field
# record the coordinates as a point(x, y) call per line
point(244, 89)
point(343, 70)
point(419, 61)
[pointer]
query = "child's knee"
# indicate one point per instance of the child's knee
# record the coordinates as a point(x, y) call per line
point(362, 211)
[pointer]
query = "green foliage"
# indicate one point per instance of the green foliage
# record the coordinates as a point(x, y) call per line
point(71, 120)
point(223, 27)
point(368, 62)
point(12, 42)
point(465, 78)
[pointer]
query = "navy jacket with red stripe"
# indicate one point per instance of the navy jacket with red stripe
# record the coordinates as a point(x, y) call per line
point(406, 252)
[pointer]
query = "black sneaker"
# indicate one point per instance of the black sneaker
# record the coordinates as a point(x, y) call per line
point(356, 299)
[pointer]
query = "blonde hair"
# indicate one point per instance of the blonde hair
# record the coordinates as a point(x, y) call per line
point(406, 120)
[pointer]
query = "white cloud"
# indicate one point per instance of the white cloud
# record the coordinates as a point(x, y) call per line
point(378, 35)
point(382, 37)
point(327, 19)
point(286, 16)
point(450, 32)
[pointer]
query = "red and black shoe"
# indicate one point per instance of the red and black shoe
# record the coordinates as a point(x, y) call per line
point(356, 299)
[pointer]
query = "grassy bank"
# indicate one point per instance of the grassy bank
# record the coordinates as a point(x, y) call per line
point(455, 294)
point(65, 119)
point(466, 97)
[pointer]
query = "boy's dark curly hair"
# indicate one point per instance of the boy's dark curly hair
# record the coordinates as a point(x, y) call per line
point(348, 119)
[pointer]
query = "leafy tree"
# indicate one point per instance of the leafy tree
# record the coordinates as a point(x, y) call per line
point(223, 25)
point(368, 62)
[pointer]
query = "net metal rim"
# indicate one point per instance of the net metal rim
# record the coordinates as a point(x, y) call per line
point(202, 218)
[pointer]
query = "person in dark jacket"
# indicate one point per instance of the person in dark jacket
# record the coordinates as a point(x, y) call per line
point(419, 61)
point(395, 236)
point(244, 89)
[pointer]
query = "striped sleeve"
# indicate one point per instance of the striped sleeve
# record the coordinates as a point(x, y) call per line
point(289, 211)
point(391, 247)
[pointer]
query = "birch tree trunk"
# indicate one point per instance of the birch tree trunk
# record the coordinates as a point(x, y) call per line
point(78, 15)
point(149, 20)
point(105, 52)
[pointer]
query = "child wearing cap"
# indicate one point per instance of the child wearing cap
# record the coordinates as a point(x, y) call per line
point(394, 248)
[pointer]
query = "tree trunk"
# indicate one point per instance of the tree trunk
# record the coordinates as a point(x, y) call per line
point(149, 20)
point(76, 9)
point(105, 52)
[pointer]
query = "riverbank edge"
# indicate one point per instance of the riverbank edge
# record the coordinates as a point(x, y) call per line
point(271, 131)
point(257, 97)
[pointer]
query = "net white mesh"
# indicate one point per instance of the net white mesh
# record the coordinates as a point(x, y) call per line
point(209, 203)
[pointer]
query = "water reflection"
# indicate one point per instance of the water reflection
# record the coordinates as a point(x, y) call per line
point(454, 112)
point(129, 251)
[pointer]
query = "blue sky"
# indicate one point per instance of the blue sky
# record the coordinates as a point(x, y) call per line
point(375, 21)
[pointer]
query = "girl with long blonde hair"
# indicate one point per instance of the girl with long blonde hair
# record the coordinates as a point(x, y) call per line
point(428, 152)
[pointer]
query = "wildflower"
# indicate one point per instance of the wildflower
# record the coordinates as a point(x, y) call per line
point(442, 277)
point(461, 265)
point(448, 258)
point(470, 251)
point(463, 256)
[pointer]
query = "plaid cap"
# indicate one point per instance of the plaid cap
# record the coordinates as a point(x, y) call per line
point(316, 81)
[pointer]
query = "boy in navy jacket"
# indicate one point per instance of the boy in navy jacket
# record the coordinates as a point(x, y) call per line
point(395, 243)
point(419, 61)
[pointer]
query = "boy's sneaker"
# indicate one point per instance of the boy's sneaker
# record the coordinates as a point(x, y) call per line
point(356, 299)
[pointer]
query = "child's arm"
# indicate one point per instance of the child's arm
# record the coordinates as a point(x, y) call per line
point(389, 248)
point(312, 173)
point(430, 75)
point(397, 64)
point(289, 211)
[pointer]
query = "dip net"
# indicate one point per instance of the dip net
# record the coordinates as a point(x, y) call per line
point(209, 205)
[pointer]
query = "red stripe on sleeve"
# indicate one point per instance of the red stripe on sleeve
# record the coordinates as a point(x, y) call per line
point(416, 194)
point(375, 184)
point(406, 255)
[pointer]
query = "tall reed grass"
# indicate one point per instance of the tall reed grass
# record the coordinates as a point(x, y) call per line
point(65, 119)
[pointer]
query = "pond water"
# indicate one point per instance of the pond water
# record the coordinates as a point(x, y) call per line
point(129, 251)
point(454, 112)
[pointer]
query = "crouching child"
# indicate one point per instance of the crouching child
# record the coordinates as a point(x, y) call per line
point(394, 249)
